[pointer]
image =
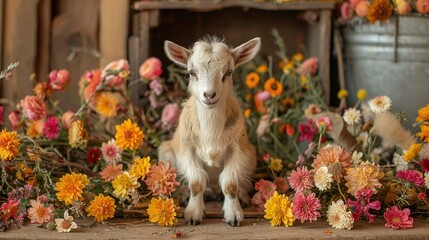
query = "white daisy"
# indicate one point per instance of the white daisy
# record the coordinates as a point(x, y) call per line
point(400, 163)
point(352, 116)
point(357, 157)
point(65, 224)
point(380, 104)
point(323, 179)
point(339, 217)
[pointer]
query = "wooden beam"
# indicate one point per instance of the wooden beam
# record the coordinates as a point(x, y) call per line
point(324, 53)
point(20, 31)
point(43, 39)
point(113, 30)
point(219, 4)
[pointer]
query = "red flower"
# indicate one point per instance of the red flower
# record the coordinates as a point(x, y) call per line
point(397, 219)
point(412, 177)
point(306, 131)
point(363, 205)
point(425, 165)
point(422, 196)
point(51, 130)
point(9, 210)
point(93, 155)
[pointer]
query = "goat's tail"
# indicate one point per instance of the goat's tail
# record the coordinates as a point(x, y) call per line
point(166, 153)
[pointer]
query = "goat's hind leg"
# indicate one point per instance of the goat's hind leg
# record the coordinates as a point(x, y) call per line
point(196, 176)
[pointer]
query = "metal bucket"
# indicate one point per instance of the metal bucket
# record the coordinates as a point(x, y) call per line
point(390, 59)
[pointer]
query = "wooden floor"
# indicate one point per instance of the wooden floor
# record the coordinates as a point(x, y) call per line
point(214, 228)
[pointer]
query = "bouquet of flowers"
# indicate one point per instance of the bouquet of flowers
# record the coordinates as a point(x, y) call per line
point(90, 162)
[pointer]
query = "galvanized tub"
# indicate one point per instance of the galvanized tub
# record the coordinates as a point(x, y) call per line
point(390, 59)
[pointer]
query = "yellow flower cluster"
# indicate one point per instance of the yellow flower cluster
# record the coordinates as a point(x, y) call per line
point(411, 153)
point(70, 187)
point(140, 167)
point(278, 209)
point(124, 184)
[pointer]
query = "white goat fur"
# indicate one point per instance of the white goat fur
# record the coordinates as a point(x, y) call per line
point(211, 141)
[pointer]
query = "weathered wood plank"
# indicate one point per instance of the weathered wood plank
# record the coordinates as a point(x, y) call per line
point(43, 39)
point(219, 4)
point(19, 36)
point(75, 44)
point(324, 55)
point(113, 30)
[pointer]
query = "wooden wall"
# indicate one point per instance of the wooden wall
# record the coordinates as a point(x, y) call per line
point(42, 35)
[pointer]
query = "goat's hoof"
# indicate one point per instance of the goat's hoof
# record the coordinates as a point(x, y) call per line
point(234, 223)
point(193, 222)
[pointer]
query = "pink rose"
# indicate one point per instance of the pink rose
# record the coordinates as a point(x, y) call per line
point(309, 66)
point(362, 8)
point(170, 114)
point(346, 11)
point(151, 68)
point(263, 96)
point(422, 6)
point(33, 108)
point(14, 119)
point(59, 80)
point(403, 8)
point(116, 72)
point(67, 119)
point(354, 3)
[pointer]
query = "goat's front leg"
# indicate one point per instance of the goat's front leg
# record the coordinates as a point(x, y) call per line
point(234, 173)
point(192, 169)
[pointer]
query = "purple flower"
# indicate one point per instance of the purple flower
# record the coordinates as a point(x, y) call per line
point(156, 87)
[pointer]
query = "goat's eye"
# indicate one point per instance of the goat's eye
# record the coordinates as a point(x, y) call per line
point(192, 73)
point(227, 74)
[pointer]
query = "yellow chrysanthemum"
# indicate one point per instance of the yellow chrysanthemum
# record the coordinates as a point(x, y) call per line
point(424, 134)
point(412, 152)
point(140, 167)
point(278, 209)
point(363, 176)
point(247, 113)
point(274, 87)
point(9, 145)
point(252, 80)
point(342, 93)
point(106, 104)
point(298, 57)
point(276, 164)
point(423, 114)
point(70, 187)
point(304, 82)
point(162, 211)
point(101, 208)
point(78, 137)
point(128, 135)
point(124, 184)
point(361, 94)
point(262, 68)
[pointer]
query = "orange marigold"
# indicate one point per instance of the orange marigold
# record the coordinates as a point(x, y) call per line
point(162, 211)
point(252, 80)
point(380, 10)
point(70, 187)
point(274, 87)
point(101, 208)
point(9, 145)
point(128, 135)
point(106, 104)
point(423, 114)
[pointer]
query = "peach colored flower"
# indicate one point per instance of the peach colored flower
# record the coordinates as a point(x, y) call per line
point(161, 179)
point(334, 154)
point(67, 119)
point(89, 83)
point(363, 176)
point(111, 172)
point(309, 66)
point(33, 108)
point(362, 8)
point(14, 119)
point(65, 224)
point(38, 213)
point(151, 68)
point(59, 80)
point(170, 114)
point(35, 129)
point(422, 6)
point(42, 90)
point(116, 72)
point(403, 8)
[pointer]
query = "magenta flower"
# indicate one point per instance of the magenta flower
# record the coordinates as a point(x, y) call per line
point(306, 207)
point(412, 177)
point(51, 130)
point(425, 165)
point(363, 205)
point(1, 114)
point(306, 131)
point(301, 179)
point(156, 87)
point(398, 219)
point(346, 11)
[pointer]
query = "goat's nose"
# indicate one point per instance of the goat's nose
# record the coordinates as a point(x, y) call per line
point(209, 95)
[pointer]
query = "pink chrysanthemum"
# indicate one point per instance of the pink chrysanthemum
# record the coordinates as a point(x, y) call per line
point(363, 205)
point(306, 207)
point(282, 184)
point(111, 172)
point(93, 155)
point(397, 219)
point(412, 177)
point(425, 165)
point(301, 179)
point(38, 213)
point(51, 130)
point(266, 188)
point(161, 179)
point(111, 152)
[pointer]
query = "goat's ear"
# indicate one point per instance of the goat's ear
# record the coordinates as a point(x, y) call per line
point(176, 53)
point(246, 51)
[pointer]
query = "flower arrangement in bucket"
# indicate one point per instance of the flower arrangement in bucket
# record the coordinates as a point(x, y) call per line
point(381, 10)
